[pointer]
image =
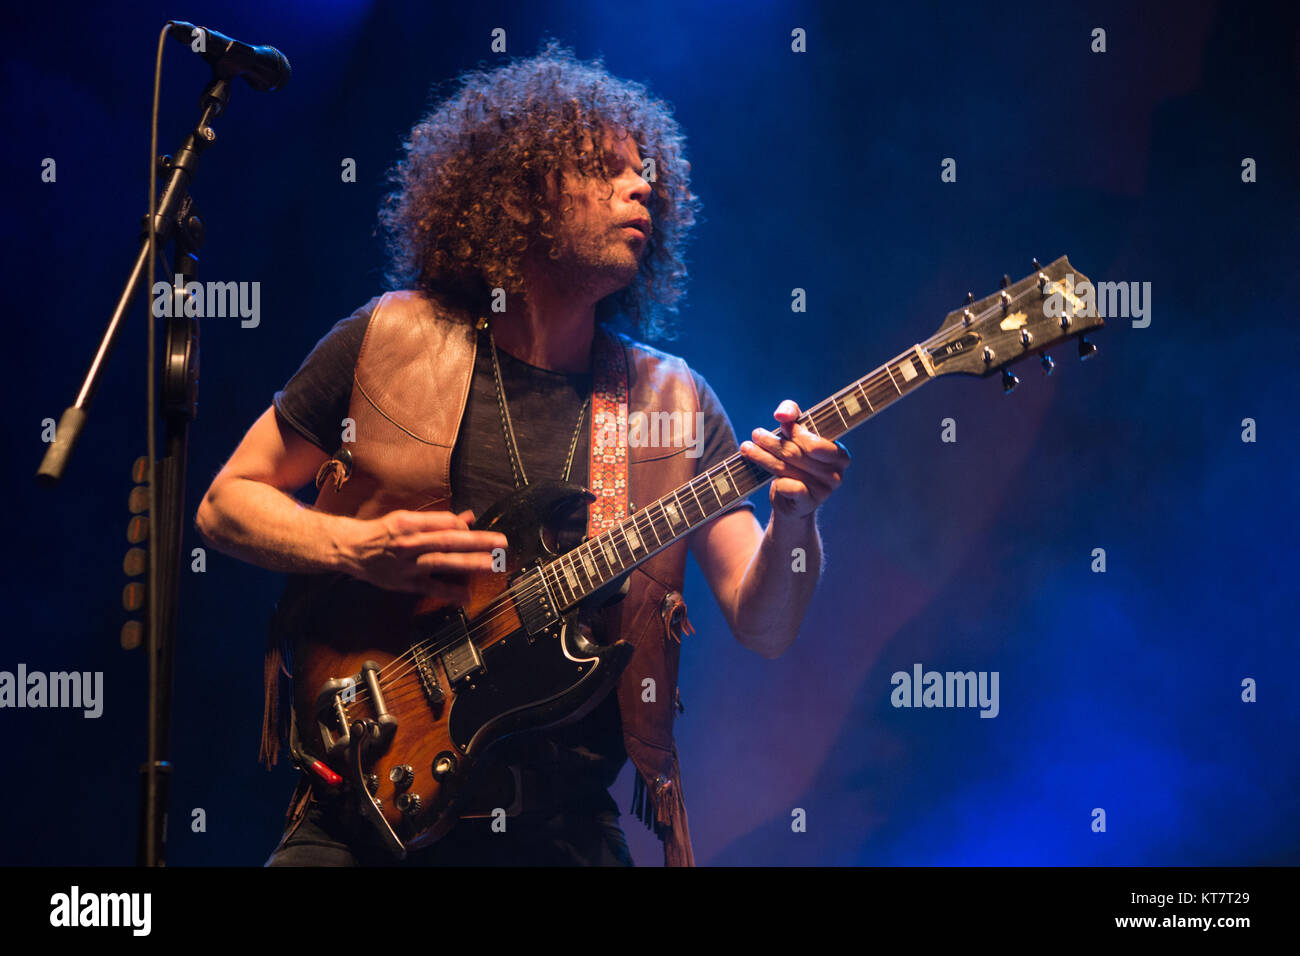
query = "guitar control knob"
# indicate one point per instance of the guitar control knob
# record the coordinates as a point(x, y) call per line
point(401, 776)
point(444, 765)
point(1009, 381)
point(408, 803)
point(372, 782)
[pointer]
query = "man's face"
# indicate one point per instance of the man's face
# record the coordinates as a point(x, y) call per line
point(599, 251)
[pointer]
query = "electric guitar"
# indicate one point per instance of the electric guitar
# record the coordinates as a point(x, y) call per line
point(392, 715)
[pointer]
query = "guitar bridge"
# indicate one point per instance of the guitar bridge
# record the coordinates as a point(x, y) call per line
point(428, 679)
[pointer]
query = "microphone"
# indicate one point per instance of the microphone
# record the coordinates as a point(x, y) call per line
point(264, 68)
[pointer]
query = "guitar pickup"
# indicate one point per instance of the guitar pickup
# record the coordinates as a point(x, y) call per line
point(533, 603)
point(462, 660)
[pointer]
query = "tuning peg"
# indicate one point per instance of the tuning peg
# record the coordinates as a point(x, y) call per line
point(1037, 266)
point(970, 297)
point(1046, 361)
point(1009, 381)
point(1086, 349)
point(1006, 281)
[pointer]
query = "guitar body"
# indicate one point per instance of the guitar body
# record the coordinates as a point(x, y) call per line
point(400, 696)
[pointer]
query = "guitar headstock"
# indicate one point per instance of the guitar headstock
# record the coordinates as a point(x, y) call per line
point(1024, 318)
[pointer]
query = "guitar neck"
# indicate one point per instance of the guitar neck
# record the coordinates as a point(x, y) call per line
point(579, 573)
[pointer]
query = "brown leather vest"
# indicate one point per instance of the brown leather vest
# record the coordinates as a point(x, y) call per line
point(409, 393)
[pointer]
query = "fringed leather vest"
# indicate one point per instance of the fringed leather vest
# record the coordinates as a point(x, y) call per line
point(409, 393)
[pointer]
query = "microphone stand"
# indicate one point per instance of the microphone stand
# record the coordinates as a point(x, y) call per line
point(177, 221)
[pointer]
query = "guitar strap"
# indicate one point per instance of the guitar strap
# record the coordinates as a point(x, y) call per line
point(608, 472)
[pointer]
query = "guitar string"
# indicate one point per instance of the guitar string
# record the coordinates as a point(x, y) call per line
point(824, 410)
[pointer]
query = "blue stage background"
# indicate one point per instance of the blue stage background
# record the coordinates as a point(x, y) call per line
point(820, 171)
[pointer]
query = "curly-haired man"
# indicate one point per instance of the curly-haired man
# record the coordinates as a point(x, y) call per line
point(536, 209)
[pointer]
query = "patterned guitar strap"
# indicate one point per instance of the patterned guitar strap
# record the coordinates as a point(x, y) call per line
point(608, 472)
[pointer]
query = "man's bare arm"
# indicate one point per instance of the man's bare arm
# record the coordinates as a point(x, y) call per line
point(751, 573)
point(762, 584)
point(250, 513)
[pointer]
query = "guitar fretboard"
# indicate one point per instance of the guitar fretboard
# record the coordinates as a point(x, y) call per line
point(582, 571)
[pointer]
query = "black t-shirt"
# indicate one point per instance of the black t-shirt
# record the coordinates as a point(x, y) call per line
point(544, 407)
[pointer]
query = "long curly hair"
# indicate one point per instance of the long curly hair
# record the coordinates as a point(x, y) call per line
point(499, 137)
